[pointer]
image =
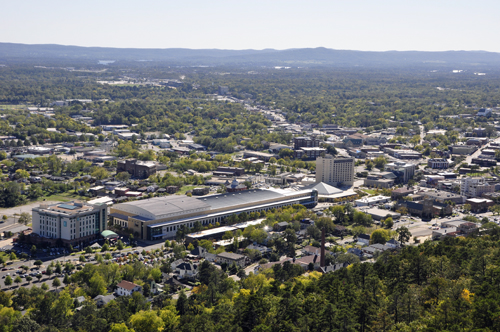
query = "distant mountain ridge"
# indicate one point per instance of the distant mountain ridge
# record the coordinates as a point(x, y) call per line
point(298, 56)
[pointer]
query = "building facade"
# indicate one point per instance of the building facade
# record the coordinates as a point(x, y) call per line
point(305, 142)
point(72, 222)
point(309, 153)
point(475, 187)
point(335, 171)
point(438, 163)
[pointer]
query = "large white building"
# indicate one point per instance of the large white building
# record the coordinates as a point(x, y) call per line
point(72, 222)
point(475, 187)
point(402, 170)
point(335, 171)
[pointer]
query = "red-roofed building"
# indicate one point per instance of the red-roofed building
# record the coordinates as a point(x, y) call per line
point(126, 288)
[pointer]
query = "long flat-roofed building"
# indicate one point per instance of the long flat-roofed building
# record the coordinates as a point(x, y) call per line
point(160, 217)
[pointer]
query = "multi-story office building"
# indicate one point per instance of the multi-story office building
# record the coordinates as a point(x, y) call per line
point(72, 223)
point(475, 187)
point(335, 171)
point(402, 170)
point(436, 163)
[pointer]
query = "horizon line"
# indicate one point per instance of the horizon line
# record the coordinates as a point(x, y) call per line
point(245, 49)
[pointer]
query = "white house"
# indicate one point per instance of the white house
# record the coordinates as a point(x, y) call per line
point(484, 112)
point(187, 270)
point(126, 288)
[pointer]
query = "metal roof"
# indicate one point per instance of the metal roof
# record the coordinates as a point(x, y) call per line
point(239, 198)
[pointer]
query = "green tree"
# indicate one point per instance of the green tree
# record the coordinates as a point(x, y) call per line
point(380, 162)
point(18, 280)
point(380, 236)
point(99, 173)
point(22, 174)
point(146, 321)
point(8, 281)
point(357, 230)
point(97, 285)
point(25, 218)
point(182, 303)
point(123, 176)
point(404, 234)
point(56, 283)
point(120, 327)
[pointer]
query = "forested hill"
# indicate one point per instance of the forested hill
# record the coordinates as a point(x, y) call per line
point(303, 56)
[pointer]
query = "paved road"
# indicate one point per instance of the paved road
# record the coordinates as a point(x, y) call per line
point(422, 134)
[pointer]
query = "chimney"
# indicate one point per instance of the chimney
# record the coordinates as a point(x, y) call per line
point(322, 258)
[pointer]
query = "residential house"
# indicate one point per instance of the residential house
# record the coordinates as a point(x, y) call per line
point(355, 251)
point(364, 239)
point(102, 300)
point(393, 244)
point(187, 270)
point(126, 288)
point(310, 250)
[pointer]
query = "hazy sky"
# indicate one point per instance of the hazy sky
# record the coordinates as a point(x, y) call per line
point(375, 25)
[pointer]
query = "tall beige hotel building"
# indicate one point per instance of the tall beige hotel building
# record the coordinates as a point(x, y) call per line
point(336, 172)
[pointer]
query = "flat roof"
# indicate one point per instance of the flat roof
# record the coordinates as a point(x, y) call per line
point(159, 206)
point(238, 198)
point(372, 199)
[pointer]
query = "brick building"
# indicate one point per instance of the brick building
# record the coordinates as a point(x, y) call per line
point(305, 142)
point(136, 168)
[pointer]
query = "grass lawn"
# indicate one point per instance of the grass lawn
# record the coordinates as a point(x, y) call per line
point(63, 197)
point(369, 191)
point(183, 189)
point(12, 107)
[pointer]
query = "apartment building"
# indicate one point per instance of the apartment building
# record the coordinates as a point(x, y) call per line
point(335, 171)
point(475, 187)
point(305, 142)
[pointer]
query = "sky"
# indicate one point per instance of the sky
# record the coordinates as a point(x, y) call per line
point(366, 25)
